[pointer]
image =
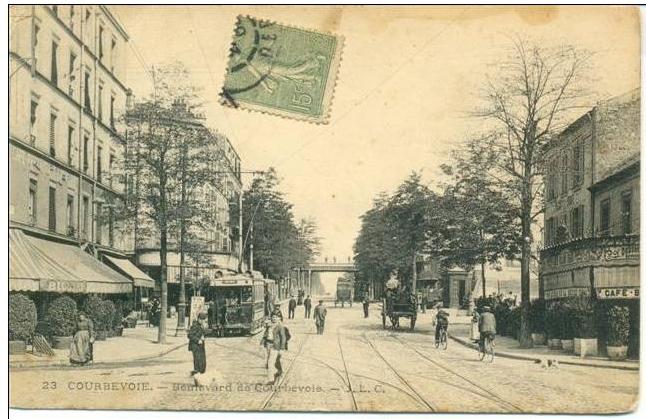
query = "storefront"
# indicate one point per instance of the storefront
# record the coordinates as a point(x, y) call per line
point(142, 283)
point(44, 268)
point(606, 269)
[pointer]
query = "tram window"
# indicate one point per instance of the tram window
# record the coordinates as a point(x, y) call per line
point(246, 295)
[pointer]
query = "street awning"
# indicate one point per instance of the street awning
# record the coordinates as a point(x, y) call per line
point(139, 278)
point(28, 267)
point(38, 264)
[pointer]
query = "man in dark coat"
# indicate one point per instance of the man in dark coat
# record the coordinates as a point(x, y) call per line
point(291, 307)
point(308, 307)
point(366, 305)
point(319, 317)
point(196, 344)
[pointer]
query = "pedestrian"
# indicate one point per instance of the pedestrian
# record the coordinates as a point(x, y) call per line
point(277, 312)
point(366, 304)
point(319, 317)
point(474, 334)
point(155, 312)
point(308, 307)
point(81, 349)
point(196, 344)
point(291, 308)
point(267, 340)
point(279, 337)
point(486, 325)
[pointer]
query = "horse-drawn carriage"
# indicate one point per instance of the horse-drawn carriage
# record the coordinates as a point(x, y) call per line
point(396, 304)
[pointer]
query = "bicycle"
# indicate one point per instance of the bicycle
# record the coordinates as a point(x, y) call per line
point(487, 350)
point(443, 339)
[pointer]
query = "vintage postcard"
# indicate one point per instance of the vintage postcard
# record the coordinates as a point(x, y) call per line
point(360, 209)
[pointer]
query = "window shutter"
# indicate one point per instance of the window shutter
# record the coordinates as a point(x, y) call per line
point(52, 135)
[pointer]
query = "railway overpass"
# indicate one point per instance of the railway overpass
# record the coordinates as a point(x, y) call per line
point(301, 276)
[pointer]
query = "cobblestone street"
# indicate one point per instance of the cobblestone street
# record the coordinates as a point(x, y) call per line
point(354, 366)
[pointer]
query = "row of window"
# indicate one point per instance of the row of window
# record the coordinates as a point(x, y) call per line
point(565, 171)
point(71, 83)
point(566, 227)
point(70, 141)
point(70, 214)
point(71, 19)
point(606, 226)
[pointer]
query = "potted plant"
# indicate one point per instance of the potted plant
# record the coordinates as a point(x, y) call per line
point(585, 333)
point(95, 310)
point(553, 325)
point(61, 317)
point(22, 322)
point(618, 332)
point(567, 326)
point(537, 321)
point(110, 313)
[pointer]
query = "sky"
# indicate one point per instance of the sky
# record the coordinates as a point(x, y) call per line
point(408, 79)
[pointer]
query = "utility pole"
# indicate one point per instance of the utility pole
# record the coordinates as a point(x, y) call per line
point(251, 247)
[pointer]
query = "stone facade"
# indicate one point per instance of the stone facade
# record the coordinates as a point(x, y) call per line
point(66, 94)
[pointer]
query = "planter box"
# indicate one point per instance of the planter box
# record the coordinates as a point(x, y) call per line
point(567, 345)
point(17, 347)
point(538, 338)
point(554, 343)
point(617, 353)
point(586, 347)
point(61, 342)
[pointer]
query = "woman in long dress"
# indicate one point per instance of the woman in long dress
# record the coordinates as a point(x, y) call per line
point(81, 347)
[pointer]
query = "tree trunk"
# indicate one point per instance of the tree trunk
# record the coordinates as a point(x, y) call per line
point(526, 211)
point(163, 250)
point(482, 278)
point(181, 304)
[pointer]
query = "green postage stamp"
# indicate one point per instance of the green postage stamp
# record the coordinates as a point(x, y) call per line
point(282, 70)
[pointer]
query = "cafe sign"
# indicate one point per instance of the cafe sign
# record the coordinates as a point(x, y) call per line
point(619, 293)
point(53, 285)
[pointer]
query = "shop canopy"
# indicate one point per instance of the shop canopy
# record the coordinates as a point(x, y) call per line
point(37, 264)
point(139, 278)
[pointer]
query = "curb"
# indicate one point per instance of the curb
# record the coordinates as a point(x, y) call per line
point(504, 354)
point(44, 364)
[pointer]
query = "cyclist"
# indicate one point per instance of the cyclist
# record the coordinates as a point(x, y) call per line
point(441, 322)
point(486, 326)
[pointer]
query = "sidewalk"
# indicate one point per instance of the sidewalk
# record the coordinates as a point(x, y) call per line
point(507, 347)
point(136, 344)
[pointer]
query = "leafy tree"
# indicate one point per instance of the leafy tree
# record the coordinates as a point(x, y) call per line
point(531, 99)
point(165, 165)
point(394, 231)
point(268, 224)
point(478, 220)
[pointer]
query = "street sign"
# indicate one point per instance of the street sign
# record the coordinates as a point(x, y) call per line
point(620, 293)
point(566, 292)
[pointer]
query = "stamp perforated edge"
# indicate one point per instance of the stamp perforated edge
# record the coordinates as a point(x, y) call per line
point(328, 94)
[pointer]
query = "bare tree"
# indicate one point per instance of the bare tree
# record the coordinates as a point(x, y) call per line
point(534, 95)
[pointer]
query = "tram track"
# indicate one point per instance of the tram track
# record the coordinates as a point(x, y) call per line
point(483, 391)
point(283, 378)
point(418, 397)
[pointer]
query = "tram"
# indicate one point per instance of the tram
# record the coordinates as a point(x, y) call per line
point(236, 304)
point(344, 292)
